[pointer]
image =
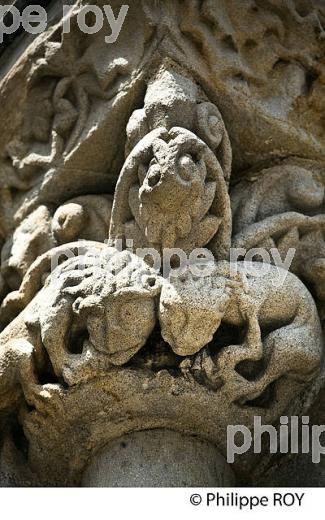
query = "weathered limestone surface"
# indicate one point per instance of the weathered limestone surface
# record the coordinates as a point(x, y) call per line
point(158, 458)
point(202, 126)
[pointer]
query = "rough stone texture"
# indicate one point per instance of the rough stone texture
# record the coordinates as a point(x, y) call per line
point(172, 190)
point(201, 126)
point(83, 218)
point(158, 458)
point(282, 345)
point(282, 207)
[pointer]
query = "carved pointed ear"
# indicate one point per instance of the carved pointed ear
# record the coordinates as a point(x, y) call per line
point(32, 319)
point(83, 305)
point(136, 129)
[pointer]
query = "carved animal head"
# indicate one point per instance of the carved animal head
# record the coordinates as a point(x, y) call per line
point(174, 100)
point(172, 193)
point(279, 340)
point(105, 305)
point(190, 311)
